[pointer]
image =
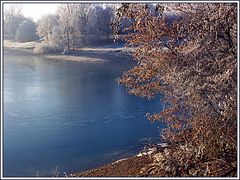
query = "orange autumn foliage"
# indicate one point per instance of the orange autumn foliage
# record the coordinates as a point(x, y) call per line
point(188, 53)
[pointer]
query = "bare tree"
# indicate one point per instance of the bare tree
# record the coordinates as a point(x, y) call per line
point(104, 18)
point(83, 11)
point(73, 20)
point(46, 24)
point(12, 10)
point(12, 18)
point(99, 22)
point(75, 24)
point(66, 22)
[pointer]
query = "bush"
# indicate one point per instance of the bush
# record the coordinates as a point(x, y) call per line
point(26, 32)
point(11, 25)
point(44, 48)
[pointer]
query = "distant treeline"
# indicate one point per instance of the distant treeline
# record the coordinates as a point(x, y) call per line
point(72, 26)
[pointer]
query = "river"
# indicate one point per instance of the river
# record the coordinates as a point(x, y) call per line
point(69, 115)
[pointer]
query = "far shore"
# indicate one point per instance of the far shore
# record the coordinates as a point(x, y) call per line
point(102, 54)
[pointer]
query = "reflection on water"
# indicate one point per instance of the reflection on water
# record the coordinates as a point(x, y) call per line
point(68, 114)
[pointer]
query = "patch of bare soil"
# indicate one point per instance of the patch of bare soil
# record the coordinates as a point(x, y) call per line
point(156, 163)
point(130, 167)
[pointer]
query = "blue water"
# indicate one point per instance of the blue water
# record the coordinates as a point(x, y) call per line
point(69, 115)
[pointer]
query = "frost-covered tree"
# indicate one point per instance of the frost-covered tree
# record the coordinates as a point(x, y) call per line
point(26, 31)
point(49, 29)
point(46, 24)
point(191, 60)
point(99, 23)
point(83, 13)
point(13, 17)
point(73, 19)
point(104, 17)
point(76, 24)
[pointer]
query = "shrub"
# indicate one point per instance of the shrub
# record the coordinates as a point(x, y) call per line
point(26, 31)
point(44, 48)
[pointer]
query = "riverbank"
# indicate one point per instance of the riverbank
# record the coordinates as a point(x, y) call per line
point(130, 167)
point(20, 46)
point(139, 165)
point(135, 166)
point(150, 163)
point(103, 54)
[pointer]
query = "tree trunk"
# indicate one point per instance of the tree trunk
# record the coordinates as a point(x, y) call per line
point(68, 41)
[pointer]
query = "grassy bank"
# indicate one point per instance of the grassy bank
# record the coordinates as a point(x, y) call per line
point(110, 53)
point(18, 45)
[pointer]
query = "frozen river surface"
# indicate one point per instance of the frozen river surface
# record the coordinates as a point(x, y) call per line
point(69, 115)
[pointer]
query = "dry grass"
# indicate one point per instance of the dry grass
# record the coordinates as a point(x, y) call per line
point(18, 45)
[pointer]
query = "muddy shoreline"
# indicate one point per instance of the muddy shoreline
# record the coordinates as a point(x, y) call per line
point(129, 167)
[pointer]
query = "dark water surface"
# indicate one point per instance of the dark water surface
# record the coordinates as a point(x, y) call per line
point(69, 115)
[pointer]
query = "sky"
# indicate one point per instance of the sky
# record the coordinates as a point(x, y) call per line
point(35, 11)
